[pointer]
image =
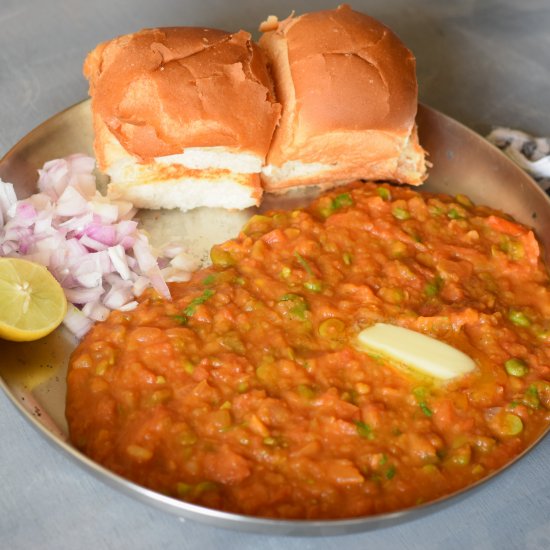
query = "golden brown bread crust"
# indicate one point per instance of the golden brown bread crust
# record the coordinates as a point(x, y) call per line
point(159, 91)
point(346, 83)
point(349, 94)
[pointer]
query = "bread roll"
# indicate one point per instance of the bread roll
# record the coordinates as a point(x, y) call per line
point(348, 90)
point(183, 117)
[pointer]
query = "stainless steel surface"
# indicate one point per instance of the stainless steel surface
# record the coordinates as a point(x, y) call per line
point(483, 62)
point(33, 375)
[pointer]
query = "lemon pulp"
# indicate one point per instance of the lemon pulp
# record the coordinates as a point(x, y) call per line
point(32, 302)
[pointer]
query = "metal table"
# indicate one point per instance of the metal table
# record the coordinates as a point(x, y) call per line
point(483, 63)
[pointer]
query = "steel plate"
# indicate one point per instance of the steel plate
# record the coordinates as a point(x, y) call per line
point(33, 374)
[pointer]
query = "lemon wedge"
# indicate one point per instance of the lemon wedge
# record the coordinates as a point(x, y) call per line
point(32, 302)
point(414, 350)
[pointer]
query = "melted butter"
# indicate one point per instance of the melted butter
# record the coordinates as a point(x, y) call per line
point(417, 351)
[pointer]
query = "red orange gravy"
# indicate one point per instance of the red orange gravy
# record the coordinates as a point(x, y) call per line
point(245, 393)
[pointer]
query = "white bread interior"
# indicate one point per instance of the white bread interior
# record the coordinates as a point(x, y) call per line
point(341, 125)
point(211, 177)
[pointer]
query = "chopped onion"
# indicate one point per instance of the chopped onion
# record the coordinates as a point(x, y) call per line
point(7, 199)
point(173, 275)
point(71, 203)
point(184, 262)
point(140, 284)
point(89, 243)
point(96, 311)
point(76, 321)
point(129, 306)
point(118, 259)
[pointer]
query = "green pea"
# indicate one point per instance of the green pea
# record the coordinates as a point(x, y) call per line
point(516, 367)
point(518, 318)
point(513, 249)
point(400, 213)
point(384, 193)
point(512, 425)
point(342, 200)
point(314, 286)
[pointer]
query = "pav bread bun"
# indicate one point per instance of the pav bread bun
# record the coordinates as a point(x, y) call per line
point(348, 91)
point(183, 117)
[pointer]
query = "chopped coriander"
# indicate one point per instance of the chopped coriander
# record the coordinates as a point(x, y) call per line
point(190, 309)
point(454, 214)
point(364, 430)
point(432, 288)
point(303, 262)
point(209, 279)
point(425, 409)
point(420, 393)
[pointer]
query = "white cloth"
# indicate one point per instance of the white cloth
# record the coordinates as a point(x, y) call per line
point(529, 152)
